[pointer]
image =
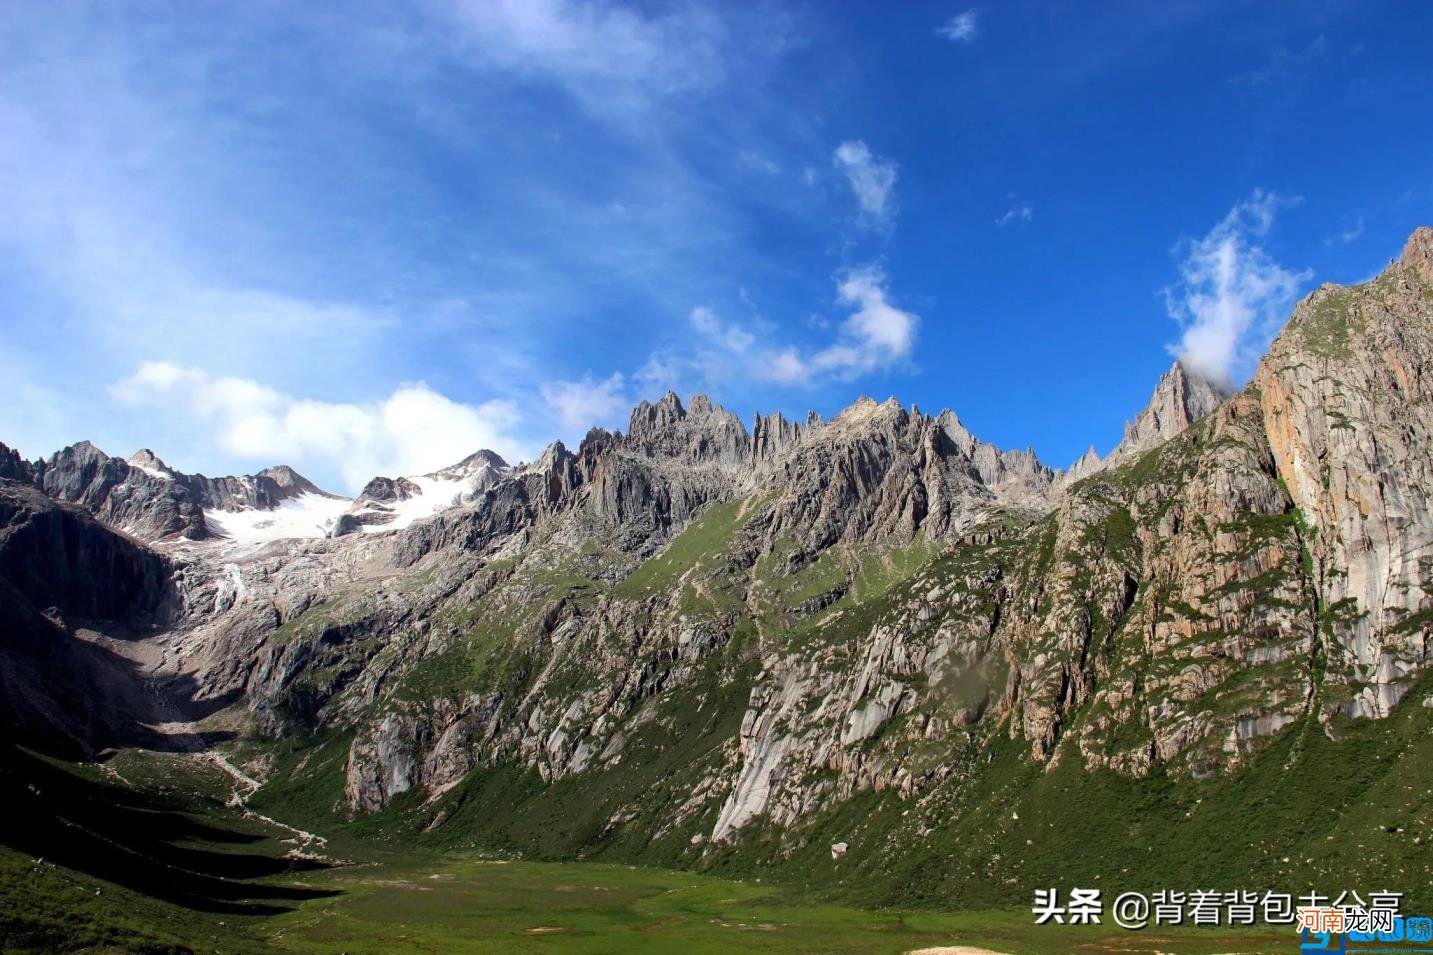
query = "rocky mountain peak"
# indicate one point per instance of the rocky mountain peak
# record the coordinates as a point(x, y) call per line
point(14, 467)
point(290, 483)
point(949, 422)
point(386, 490)
point(147, 460)
point(474, 464)
point(394, 503)
point(1182, 397)
point(1088, 464)
point(1418, 252)
point(701, 434)
point(483, 458)
point(82, 450)
point(649, 419)
point(552, 457)
point(772, 436)
point(865, 411)
point(146, 501)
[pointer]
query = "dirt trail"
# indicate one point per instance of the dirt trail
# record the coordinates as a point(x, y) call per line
point(172, 719)
point(305, 843)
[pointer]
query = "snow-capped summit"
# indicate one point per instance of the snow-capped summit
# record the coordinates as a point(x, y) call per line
point(393, 503)
point(277, 503)
point(475, 465)
point(148, 499)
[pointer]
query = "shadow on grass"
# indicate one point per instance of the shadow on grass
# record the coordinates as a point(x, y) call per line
point(143, 841)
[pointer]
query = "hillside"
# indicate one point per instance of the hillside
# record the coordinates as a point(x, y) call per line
point(1202, 661)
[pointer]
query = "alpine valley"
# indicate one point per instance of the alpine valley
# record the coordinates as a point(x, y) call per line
point(873, 660)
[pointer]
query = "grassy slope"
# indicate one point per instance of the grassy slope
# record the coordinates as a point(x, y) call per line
point(1309, 812)
point(91, 859)
point(463, 904)
point(1344, 812)
point(1348, 812)
point(150, 871)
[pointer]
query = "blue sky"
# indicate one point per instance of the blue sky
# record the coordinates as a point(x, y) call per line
point(369, 239)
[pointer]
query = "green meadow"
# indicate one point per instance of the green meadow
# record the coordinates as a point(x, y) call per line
point(135, 857)
point(475, 905)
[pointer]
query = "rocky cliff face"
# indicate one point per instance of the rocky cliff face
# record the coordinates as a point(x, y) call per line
point(1345, 395)
point(15, 468)
point(145, 497)
point(1181, 398)
point(67, 585)
point(149, 504)
point(723, 637)
point(1174, 610)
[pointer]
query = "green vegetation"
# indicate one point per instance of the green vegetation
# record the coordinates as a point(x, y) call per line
point(700, 546)
point(146, 871)
point(1325, 324)
point(463, 904)
point(91, 859)
point(1308, 811)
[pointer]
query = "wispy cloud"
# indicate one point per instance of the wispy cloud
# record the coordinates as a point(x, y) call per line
point(1016, 213)
point(1232, 296)
point(186, 195)
point(585, 402)
point(961, 28)
point(413, 430)
point(188, 189)
point(758, 161)
point(872, 179)
point(1344, 236)
point(705, 321)
point(875, 336)
point(1284, 65)
point(612, 57)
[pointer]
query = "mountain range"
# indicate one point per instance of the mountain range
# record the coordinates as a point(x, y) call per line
point(707, 646)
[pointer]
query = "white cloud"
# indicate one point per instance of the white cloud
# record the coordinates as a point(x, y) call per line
point(961, 28)
point(1016, 213)
point(581, 404)
point(759, 162)
point(1344, 236)
point(661, 373)
point(786, 366)
point(412, 431)
point(873, 180)
point(730, 337)
point(1232, 296)
point(880, 333)
point(876, 335)
point(613, 58)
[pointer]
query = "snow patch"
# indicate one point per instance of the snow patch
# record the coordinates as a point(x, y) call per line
point(307, 515)
point(153, 472)
point(438, 494)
